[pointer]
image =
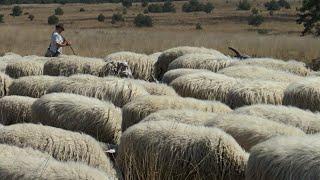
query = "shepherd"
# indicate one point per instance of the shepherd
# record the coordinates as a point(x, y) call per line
point(57, 42)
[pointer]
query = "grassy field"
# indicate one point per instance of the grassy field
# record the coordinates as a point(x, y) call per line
point(280, 37)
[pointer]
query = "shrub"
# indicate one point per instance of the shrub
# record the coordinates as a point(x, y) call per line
point(155, 8)
point(309, 17)
point(82, 10)
point(208, 8)
point(1, 18)
point(144, 3)
point(168, 7)
point(272, 5)
point(58, 11)
point(255, 11)
point(244, 5)
point(53, 20)
point(101, 18)
point(145, 11)
point(284, 4)
point(117, 18)
point(198, 26)
point(143, 21)
point(31, 17)
point(16, 11)
point(126, 3)
point(255, 19)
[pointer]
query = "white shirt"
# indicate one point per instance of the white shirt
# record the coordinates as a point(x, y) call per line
point(56, 38)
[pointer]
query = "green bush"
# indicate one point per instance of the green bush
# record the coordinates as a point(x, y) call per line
point(31, 17)
point(143, 21)
point(117, 18)
point(168, 7)
point(208, 7)
point(155, 8)
point(144, 3)
point(101, 17)
point(272, 5)
point(284, 4)
point(255, 11)
point(58, 11)
point(124, 11)
point(16, 11)
point(126, 3)
point(198, 26)
point(145, 11)
point(82, 10)
point(255, 19)
point(244, 5)
point(52, 20)
point(1, 18)
point(309, 17)
point(26, 13)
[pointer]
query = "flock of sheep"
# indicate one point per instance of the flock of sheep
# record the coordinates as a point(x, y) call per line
point(185, 113)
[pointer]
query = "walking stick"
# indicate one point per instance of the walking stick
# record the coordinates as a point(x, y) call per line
point(72, 50)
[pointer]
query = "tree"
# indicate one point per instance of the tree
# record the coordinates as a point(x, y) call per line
point(1, 18)
point(31, 17)
point(244, 5)
point(284, 4)
point(309, 16)
point(52, 20)
point(101, 17)
point(272, 5)
point(144, 3)
point(255, 19)
point(155, 8)
point(143, 21)
point(117, 18)
point(198, 26)
point(58, 11)
point(168, 7)
point(208, 7)
point(127, 3)
point(16, 11)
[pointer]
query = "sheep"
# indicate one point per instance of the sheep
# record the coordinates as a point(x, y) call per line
point(171, 75)
point(15, 109)
point(249, 92)
point(25, 68)
point(294, 67)
point(141, 65)
point(257, 72)
point(136, 110)
point(101, 120)
point(200, 61)
point(161, 66)
point(26, 163)
point(32, 86)
point(304, 94)
point(250, 130)
point(156, 88)
point(287, 158)
point(118, 91)
point(307, 121)
point(10, 57)
point(210, 86)
point(69, 65)
point(119, 69)
point(168, 150)
point(60, 144)
point(186, 116)
point(5, 83)
point(155, 56)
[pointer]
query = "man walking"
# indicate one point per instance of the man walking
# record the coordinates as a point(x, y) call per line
point(57, 42)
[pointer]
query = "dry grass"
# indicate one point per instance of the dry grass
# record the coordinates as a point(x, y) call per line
point(224, 27)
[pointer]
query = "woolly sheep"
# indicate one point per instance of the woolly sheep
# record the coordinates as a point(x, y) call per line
point(118, 91)
point(15, 109)
point(68, 65)
point(155, 56)
point(186, 116)
point(141, 65)
point(200, 61)
point(25, 68)
point(60, 144)
point(304, 94)
point(287, 158)
point(256, 72)
point(164, 150)
point(10, 57)
point(210, 86)
point(119, 69)
point(32, 86)
point(171, 75)
point(99, 119)
point(249, 92)
point(250, 130)
point(136, 110)
point(294, 67)
point(5, 83)
point(161, 66)
point(26, 163)
point(156, 88)
point(307, 121)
